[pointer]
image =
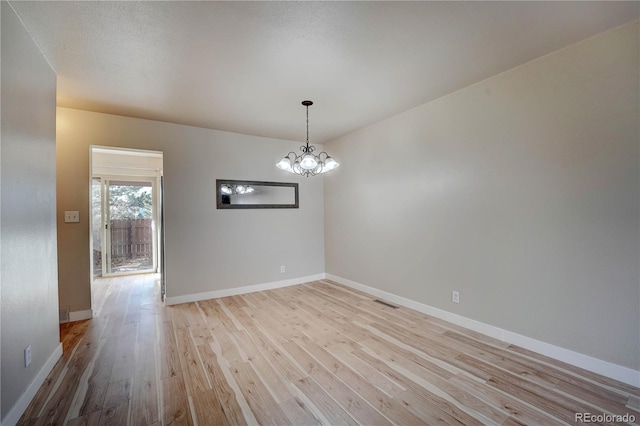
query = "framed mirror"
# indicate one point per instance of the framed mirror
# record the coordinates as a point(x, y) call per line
point(249, 194)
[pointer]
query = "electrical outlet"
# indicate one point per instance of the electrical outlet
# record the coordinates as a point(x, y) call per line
point(455, 296)
point(282, 269)
point(71, 216)
point(27, 356)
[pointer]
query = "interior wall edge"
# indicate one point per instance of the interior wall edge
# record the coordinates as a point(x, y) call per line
point(29, 294)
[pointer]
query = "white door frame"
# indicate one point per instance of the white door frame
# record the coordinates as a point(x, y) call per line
point(138, 173)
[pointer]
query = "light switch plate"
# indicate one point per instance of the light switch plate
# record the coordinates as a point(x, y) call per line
point(71, 216)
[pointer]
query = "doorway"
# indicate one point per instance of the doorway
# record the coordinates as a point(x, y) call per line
point(126, 202)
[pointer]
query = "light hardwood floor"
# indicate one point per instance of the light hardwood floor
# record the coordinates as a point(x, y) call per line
point(317, 353)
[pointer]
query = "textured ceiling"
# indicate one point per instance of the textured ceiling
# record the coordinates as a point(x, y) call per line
point(245, 66)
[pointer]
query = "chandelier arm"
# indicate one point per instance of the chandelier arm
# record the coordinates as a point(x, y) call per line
point(290, 158)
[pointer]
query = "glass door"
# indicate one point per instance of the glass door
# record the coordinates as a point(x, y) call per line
point(129, 226)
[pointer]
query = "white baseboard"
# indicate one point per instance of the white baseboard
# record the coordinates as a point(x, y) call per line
point(240, 290)
point(607, 369)
point(23, 402)
point(79, 316)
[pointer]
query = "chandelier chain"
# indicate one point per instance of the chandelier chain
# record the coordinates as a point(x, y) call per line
point(307, 126)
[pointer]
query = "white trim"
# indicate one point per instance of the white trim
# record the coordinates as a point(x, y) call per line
point(175, 300)
point(607, 369)
point(23, 402)
point(120, 150)
point(79, 316)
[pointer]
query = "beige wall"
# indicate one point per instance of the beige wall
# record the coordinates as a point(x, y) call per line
point(206, 249)
point(521, 192)
point(29, 296)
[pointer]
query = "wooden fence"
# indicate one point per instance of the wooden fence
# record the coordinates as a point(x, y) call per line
point(131, 240)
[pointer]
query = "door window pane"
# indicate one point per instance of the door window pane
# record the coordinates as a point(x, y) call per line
point(130, 226)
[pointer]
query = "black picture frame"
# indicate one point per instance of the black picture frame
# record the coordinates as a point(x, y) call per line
point(224, 204)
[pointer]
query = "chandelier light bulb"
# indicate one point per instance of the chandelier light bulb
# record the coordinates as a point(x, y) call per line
point(285, 164)
point(309, 162)
point(330, 164)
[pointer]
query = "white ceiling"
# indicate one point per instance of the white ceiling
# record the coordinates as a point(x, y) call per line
point(246, 66)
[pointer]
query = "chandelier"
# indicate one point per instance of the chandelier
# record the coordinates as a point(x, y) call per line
point(307, 164)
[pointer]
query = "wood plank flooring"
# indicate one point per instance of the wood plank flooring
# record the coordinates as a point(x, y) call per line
point(317, 353)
